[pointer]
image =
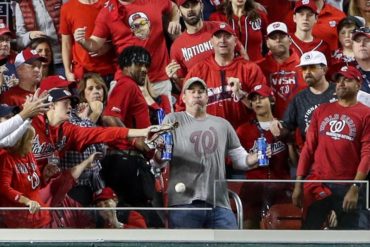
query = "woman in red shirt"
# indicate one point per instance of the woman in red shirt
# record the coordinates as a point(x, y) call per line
point(248, 22)
point(21, 185)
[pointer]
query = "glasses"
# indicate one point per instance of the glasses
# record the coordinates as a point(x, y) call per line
point(139, 24)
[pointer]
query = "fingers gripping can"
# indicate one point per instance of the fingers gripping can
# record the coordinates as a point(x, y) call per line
point(167, 137)
point(263, 160)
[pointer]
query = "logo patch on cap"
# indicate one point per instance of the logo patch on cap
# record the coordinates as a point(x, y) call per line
point(344, 68)
point(258, 87)
point(305, 1)
point(276, 25)
point(223, 25)
point(34, 52)
point(68, 93)
point(2, 25)
point(332, 23)
point(308, 57)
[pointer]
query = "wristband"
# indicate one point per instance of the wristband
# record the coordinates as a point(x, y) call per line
point(357, 185)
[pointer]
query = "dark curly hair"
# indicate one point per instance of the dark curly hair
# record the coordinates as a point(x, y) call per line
point(134, 55)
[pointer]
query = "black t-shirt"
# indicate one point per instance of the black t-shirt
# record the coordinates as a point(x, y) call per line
point(300, 109)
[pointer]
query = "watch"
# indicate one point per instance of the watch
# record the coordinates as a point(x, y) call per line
point(357, 185)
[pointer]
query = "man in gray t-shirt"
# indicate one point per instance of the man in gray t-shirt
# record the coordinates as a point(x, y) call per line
point(300, 109)
point(201, 144)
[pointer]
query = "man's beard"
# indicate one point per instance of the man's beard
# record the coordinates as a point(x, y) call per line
point(192, 21)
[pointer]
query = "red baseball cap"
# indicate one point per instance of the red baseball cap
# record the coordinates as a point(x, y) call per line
point(105, 194)
point(54, 81)
point(5, 30)
point(262, 90)
point(181, 2)
point(349, 72)
point(28, 56)
point(224, 27)
point(305, 4)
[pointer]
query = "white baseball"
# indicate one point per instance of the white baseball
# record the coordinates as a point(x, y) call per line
point(180, 187)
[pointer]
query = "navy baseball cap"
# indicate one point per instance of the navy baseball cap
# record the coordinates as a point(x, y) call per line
point(61, 94)
point(5, 110)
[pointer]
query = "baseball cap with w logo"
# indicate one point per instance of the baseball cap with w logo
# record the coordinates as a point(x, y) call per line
point(28, 56)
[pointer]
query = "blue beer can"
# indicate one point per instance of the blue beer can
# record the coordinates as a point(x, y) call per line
point(263, 160)
point(160, 115)
point(168, 144)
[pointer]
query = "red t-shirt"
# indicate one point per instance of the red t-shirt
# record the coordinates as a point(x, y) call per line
point(68, 136)
point(188, 49)
point(316, 44)
point(145, 17)
point(325, 27)
point(21, 176)
point(250, 33)
point(127, 103)
point(75, 14)
point(276, 9)
point(285, 79)
point(220, 102)
point(15, 96)
point(278, 167)
point(337, 142)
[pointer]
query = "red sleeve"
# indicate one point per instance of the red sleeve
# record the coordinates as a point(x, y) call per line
point(6, 177)
point(168, 8)
point(65, 27)
point(80, 137)
point(364, 165)
point(101, 28)
point(255, 77)
point(306, 157)
point(135, 220)
point(119, 100)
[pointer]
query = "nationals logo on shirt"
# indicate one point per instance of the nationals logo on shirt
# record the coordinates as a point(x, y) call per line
point(283, 83)
point(339, 127)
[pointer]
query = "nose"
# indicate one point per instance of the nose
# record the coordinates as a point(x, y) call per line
point(144, 68)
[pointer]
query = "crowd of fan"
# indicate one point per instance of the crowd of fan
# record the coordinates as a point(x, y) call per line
point(82, 82)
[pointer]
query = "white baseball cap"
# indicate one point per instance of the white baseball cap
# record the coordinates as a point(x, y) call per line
point(311, 58)
point(277, 27)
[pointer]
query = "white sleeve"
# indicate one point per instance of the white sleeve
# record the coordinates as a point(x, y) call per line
point(239, 158)
point(11, 140)
point(7, 127)
point(23, 37)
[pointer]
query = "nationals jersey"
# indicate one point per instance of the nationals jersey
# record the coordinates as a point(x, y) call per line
point(338, 142)
point(220, 100)
point(188, 49)
point(285, 80)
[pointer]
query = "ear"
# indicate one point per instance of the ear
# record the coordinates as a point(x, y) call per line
point(294, 18)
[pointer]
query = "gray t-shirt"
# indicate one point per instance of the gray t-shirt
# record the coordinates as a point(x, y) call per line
point(300, 109)
point(199, 151)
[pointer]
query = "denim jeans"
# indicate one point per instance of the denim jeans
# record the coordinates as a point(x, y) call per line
point(217, 218)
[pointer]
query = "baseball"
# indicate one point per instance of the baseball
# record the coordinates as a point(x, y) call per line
point(180, 187)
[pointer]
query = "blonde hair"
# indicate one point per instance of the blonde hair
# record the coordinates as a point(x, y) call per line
point(24, 145)
point(353, 8)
